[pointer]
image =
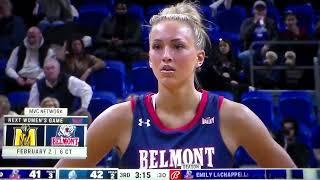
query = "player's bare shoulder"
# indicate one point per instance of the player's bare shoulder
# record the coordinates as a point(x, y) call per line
point(114, 124)
point(232, 111)
point(239, 125)
point(112, 128)
point(121, 111)
point(234, 118)
point(238, 117)
point(117, 116)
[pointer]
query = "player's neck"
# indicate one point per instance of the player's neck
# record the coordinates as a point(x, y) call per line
point(178, 100)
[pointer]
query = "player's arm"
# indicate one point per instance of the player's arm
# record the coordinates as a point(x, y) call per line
point(109, 129)
point(241, 127)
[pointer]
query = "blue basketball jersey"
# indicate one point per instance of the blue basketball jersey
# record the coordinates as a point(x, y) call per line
point(199, 142)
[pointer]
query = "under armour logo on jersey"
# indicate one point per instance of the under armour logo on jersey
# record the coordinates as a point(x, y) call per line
point(147, 123)
point(208, 120)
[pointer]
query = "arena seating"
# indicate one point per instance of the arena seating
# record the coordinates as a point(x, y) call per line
point(100, 101)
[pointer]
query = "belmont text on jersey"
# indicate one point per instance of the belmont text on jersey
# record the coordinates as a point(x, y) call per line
point(197, 144)
point(176, 157)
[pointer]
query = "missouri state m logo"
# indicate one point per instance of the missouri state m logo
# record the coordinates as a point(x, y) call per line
point(25, 136)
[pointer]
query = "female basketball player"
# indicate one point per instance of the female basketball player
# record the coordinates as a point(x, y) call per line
point(179, 125)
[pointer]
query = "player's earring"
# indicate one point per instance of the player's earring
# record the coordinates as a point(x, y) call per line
point(150, 63)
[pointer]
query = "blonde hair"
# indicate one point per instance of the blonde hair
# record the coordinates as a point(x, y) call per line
point(186, 12)
point(46, 100)
point(4, 104)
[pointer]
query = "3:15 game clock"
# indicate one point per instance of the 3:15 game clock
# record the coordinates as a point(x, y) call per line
point(143, 175)
point(154, 174)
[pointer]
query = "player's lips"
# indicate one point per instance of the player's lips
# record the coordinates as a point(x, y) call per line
point(167, 68)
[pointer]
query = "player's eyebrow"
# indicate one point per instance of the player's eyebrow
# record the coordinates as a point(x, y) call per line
point(172, 40)
point(176, 40)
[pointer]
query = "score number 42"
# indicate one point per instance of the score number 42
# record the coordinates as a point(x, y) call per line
point(99, 175)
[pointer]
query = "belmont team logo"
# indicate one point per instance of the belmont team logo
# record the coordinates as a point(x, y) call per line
point(65, 136)
point(207, 120)
point(25, 136)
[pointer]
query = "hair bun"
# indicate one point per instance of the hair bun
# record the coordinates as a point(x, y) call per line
point(185, 12)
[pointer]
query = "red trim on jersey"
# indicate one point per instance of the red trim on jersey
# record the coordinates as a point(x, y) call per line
point(220, 100)
point(133, 104)
point(157, 121)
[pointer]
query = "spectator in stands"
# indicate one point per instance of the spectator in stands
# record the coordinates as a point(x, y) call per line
point(293, 32)
point(25, 64)
point(256, 28)
point(50, 102)
point(228, 3)
point(119, 36)
point(227, 62)
point(288, 139)
point(224, 71)
point(77, 62)
point(84, 113)
point(4, 110)
point(47, 102)
point(248, 4)
point(12, 29)
point(216, 4)
point(56, 12)
point(60, 86)
point(294, 54)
